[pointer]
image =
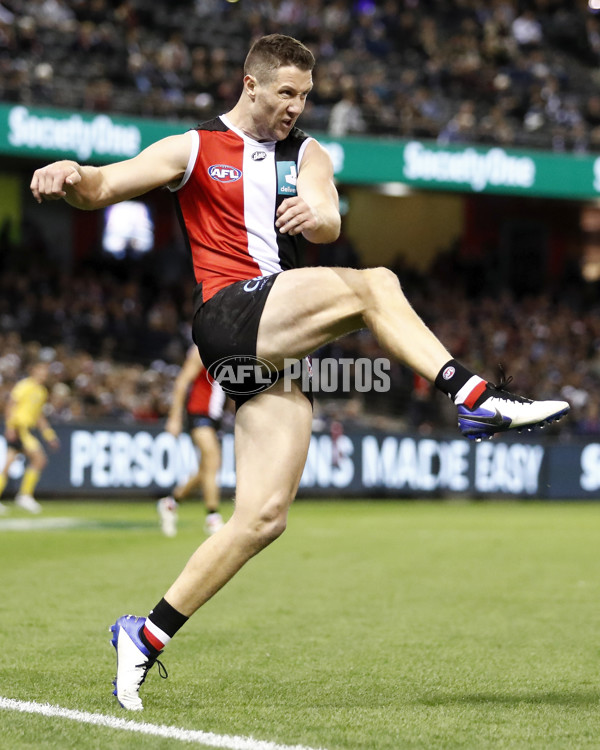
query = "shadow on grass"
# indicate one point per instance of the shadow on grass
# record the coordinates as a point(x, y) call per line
point(573, 698)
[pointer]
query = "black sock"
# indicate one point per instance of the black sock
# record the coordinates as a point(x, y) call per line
point(453, 377)
point(161, 625)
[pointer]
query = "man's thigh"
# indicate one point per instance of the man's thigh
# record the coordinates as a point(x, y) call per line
point(31, 445)
point(308, 307)
point(206, 439)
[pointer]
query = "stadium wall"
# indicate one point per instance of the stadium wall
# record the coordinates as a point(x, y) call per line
point(143, 461)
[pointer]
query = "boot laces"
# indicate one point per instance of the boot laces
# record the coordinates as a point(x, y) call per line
point(501, 389)
point(162, 670)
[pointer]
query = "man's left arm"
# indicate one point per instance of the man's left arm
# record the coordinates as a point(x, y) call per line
point(315, 210)
point(47, 432)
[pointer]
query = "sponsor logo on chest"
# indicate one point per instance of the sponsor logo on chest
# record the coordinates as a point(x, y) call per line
point(224, 173)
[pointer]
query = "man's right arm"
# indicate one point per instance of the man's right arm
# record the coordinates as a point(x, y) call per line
point(86, 187)
point(192, 367)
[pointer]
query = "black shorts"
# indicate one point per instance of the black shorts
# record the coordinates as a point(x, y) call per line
point(193, 421)
point(15, 444)
point(227, 325)
point(225, 330)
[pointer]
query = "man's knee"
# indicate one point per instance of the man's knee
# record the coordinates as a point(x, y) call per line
point(373, 284)
point(269, 525)
point(381, 279)
point(39, 461)
point(262, 528)
point(270, 529)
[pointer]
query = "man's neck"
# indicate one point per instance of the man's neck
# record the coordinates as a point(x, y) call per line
point(240, 118)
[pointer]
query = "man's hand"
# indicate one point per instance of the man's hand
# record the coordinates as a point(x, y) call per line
point(50, 437)
point(173, 426)
point(295, 216)
point(49, 182)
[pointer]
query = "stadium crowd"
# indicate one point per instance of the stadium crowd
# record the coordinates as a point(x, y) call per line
point(510, 72)
point(115, 348)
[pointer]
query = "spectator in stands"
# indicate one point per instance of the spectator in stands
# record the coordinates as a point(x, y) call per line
point(527, 30)
point(346, 116)
point(462, 127)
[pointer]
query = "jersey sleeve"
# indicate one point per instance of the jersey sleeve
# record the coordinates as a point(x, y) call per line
point(191, 161)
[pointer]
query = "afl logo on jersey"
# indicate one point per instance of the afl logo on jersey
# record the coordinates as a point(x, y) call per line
point(224, 173)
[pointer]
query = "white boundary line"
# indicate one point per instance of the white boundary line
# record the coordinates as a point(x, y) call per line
point(42, 524)
point(208, 739)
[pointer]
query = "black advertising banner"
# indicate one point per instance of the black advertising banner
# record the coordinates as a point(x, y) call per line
point(144, 461)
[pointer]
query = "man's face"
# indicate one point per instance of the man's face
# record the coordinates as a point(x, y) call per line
point(279, 102)
point(40, 372)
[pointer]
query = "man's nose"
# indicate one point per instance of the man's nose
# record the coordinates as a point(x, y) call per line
point(296, 105)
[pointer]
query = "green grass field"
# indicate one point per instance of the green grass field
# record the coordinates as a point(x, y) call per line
point(367, 626)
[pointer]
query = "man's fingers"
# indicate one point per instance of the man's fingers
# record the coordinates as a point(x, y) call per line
point(49, 183)
point(286, 204)
point(73, 178)
point(294, 216)
point(291, 225)
point(35, 187)
point(295, 221)
point(57, 184)
point(285, 217)
point(290, 217)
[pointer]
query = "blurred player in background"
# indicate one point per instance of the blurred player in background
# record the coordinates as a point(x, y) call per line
point(202, 399)
point(23, 414)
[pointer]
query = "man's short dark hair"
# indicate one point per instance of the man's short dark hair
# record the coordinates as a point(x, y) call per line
point(271, 52)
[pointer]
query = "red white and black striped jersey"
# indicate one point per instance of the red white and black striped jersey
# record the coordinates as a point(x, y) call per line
point(227, 203)
point(205, 397)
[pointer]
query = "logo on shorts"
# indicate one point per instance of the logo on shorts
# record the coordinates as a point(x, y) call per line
point(448, 373)
point(256, 283)
point(243, 375)
point(224, 173)
point(259, 155)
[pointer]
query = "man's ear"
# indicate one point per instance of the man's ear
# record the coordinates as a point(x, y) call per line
point(250, 84)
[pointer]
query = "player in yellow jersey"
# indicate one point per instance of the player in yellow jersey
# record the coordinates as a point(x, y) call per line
point(23, 414)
